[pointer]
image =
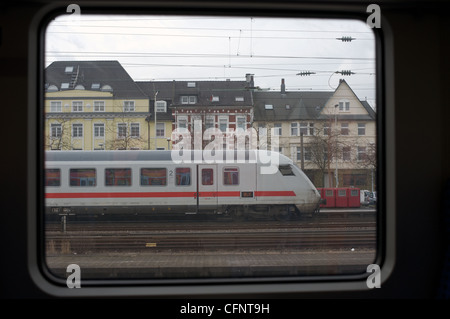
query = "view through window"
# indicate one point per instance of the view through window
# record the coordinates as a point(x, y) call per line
point(209, 147)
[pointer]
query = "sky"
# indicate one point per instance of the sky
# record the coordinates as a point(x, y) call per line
point(165, 48)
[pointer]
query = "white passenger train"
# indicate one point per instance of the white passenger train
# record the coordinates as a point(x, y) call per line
point(152, 182)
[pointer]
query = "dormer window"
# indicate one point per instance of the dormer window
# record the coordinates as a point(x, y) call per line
point(64, 86)
point(191, 84)
point(214, 98)
point(95, 86)
point(69, 69)
point(161, 106)
point(188, 99)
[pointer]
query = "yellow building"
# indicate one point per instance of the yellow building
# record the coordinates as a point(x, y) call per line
point(96, 105)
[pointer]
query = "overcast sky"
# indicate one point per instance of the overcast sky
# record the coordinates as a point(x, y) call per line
point(201, 48)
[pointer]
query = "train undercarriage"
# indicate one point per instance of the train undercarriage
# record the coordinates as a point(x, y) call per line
point(283, 212)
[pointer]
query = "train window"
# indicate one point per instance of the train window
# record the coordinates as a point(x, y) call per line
point(207, 219)
point(207, 176)
point(118, 177)
point(52, 177)
point(153, 176)
point(231, 176)
point(182, 176)
point(83, 177)
point(285, 170)
point(342, 193)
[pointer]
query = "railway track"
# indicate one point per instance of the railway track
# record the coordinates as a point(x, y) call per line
point(231, 240)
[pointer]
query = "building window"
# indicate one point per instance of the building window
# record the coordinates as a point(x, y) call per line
point(344, 106)
point(160, 129)
point(182, 123)
point(99, 106)
point(77, 106)
point(223, 124)
point(161, 106)
point(306, 153)
point(361, 129)
point(134, 130)
point(262, 130)
point(215, 98)
point(77, 130)
point(55, 130)
point(239, 99)
point(277, 129)
point(304, 128)
point(188, 99)
point(56, 106)
point(209, 122)
point(311, 129)
point(240, 123)
point(361, 153)
point(294, 129)
point(121, 130)
point(307, 128)
point(99, 130)
point(344, 128)
point(128, 106)
point(346, 155)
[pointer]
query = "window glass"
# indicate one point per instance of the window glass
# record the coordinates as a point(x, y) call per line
point(52, 177)
point(182, 176)
point(83, 177)
point(286, 170)
point(118, 176)
point(207, 176)
point(154, 176)
point(231, 176)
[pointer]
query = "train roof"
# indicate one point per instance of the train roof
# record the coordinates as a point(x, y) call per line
point(186, 156)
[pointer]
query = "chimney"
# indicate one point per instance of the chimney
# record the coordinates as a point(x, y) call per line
point(249, 79)
point(283, 87)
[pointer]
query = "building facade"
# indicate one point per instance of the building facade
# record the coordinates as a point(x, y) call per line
point(95, 105)
point(330, 135)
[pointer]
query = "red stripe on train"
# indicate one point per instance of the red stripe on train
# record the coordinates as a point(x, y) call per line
point(164, 194)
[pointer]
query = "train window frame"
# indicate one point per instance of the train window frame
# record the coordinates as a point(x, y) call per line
point(335, 284)
point(238, 176)
point(119, 168)
point(176, 174)
point(211, 177)
point(286, 170)
point(83, 168)
point(59, 177)
point(154, 169)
